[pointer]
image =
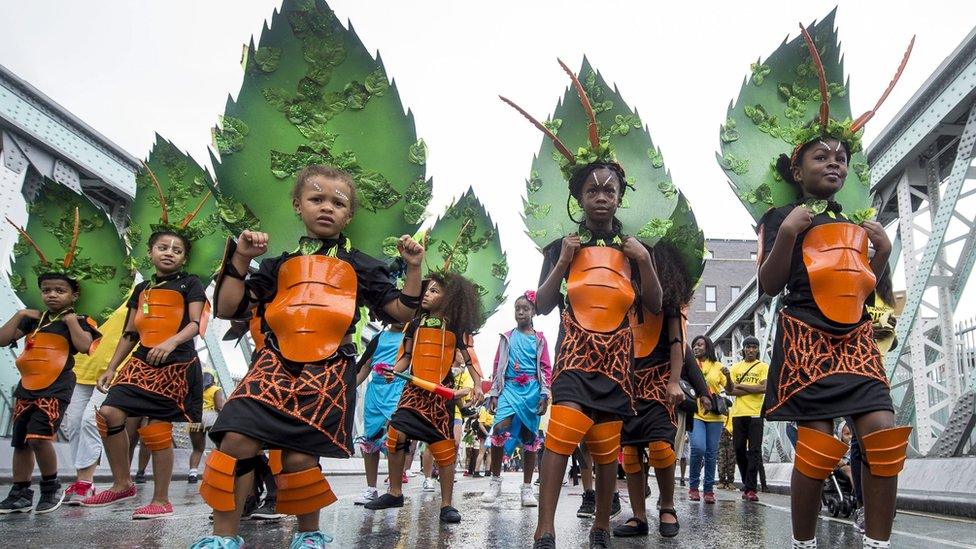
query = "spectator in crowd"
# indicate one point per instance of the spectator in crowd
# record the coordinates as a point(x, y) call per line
point(711, 416)
point(747, 383)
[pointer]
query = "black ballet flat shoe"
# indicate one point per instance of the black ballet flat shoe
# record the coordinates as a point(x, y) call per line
point(667, 529)
point(627, 530)
point(450, 515)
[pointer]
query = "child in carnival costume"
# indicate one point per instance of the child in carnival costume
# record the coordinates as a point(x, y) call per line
point(162, 380)
point(814, 234)
point(519, 397)
point(597, 271)
point(52, 335)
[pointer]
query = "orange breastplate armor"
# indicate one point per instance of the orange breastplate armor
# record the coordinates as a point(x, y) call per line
point(836, 257)
point(599, 288)
point(313, 307)
point(161, 319)
point(647, 334)
point(42, 361)
point(433, 354)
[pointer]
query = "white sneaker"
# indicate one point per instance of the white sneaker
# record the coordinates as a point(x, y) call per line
point(428, 485)
point(369, 494)
point(494, 490)
point(528, 496)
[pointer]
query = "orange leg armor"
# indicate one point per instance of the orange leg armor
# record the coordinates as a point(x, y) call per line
point(274, 461)
point(817, 454)
point(603, 441)
point(885, 450)
point(567, 427)
point(660, 455)
point(217, 487)
point(632, 461)
point(157, 436)
point(303, 492)
point(392, 440)
point(444, 452)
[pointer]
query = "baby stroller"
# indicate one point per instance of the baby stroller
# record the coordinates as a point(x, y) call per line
point(838, 495)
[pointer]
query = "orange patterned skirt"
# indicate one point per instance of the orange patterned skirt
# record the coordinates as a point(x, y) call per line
point(655, 419)
point(306, 408)
point(170, 392)
point(817, 373)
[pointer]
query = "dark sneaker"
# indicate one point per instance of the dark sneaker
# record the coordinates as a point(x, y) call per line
point(633, 527)
point(667, 529)
point(588, 508)
point(250, 505)
point(267, 511)
point(450, 515)
point(193, 478)
point(140, 477)
point(615, 505)
point(599, 539)
point(547, 541)
point(51, 496)
point(385, 501)
point(20, 500)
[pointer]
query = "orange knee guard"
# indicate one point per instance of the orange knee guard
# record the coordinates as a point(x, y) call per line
point(817, 454)
point(217, 487)
point(444, 452)
point(632, 461)
point(157, 435)
point(567, 427)
point(603, 441)
point(660, 455)
point(303, 492)
point(885, 450)
point(274, 461)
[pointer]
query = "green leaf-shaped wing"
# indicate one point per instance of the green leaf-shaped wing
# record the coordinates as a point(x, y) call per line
point(684, 234)
point(185, 185)
point(477, 250)
point(100, 261)
point(652, 195)
point(776, 101)
point(313, 94)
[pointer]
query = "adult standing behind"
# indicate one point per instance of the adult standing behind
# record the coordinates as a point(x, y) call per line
point(708, 422)
point(747, 382)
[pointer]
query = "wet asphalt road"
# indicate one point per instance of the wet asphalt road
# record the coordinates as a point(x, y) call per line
point(731, 523)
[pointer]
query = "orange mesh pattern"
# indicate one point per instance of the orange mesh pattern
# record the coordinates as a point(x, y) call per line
point(603, 441)
point(660, 455)
point(632, 461)
point(166, 381)
point(49, 406)
point(444, 452)
point(652, 385)
point(303, 492)
point(217, 488)
point(608, 354)
point(885, 450)
point(428, 406)
point(316, 397)
point(810, 355)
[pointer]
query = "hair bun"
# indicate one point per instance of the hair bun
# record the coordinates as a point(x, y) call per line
point(784, 168)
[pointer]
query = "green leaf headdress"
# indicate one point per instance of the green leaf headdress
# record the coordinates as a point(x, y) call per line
point(464, 240)
point(652, 209)
point(63, 224)
point(172, 183)
point(313, 94)
point(802, 80)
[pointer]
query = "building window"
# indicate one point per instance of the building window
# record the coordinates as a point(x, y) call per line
point(710, 304)
point(734, 292)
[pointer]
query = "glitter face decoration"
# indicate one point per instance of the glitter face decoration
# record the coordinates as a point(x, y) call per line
point(341, 194)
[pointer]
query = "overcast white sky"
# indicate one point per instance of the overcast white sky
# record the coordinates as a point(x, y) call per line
point(133, 67)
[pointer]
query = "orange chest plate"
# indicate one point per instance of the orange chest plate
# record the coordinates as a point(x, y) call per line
point(599, 288)
point(158, 315)
point(647, 334)
point(836, 258)
point(433, 353)
point(254, 326)
point(313, 307)
point(42, 362)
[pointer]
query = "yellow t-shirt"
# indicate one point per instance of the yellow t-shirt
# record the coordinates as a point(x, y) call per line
point(88, 368)
point(485, 418)
point(208, 397)
point(462, 381)
point(716, 383)
point(748, 405)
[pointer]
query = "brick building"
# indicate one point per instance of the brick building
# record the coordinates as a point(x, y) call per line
point(730, 264)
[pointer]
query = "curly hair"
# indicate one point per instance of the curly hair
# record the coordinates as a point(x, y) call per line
point(461, 303)
point(673, 275)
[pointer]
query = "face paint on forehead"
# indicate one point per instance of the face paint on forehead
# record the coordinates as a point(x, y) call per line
point(340, 194)
point(605, 183)
point(826, 146)
point(316, 186)
point(170, 242)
